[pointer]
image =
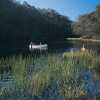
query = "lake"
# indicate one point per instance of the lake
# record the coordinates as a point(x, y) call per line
point(57, 46)
point(63, 46)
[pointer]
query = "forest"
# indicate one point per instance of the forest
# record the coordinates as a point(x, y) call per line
point(88, 25)
point(22, 23)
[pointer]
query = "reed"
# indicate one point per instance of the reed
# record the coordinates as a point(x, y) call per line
point(52, 77)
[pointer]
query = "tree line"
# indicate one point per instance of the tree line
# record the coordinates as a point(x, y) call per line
point(88, 24)
point(22, 23)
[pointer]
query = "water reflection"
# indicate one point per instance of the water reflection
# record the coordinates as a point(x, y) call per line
point(57, 46)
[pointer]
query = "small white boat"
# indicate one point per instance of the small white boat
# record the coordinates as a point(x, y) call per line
point(38, 47)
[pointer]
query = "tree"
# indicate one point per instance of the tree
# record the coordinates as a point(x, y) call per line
point(88, 24)
point(20, 24)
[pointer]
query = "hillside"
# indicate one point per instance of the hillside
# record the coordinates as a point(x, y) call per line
point(20, 24)
point(88, 25)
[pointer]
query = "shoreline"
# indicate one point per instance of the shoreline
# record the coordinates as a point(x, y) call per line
point(81, 39)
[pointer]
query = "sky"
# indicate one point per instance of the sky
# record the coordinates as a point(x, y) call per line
point(70, 8)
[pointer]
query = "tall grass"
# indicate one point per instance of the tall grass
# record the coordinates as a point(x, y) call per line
point(52, 77)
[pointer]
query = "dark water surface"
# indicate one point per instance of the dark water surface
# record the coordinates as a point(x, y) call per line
point(57, 46)
point(61, 47)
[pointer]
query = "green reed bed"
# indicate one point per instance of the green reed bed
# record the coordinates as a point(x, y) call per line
point(51, 77)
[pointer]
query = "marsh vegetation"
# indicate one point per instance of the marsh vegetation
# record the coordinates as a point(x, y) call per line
point(51, 77)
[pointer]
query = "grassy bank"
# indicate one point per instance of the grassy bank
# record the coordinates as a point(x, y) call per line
point(52, 77)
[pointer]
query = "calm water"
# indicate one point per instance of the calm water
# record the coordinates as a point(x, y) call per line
point(76, 45)
point(58, 47)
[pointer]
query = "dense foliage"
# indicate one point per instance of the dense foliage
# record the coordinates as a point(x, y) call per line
point(20, 24)
point(88, 24)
